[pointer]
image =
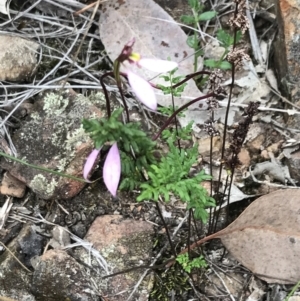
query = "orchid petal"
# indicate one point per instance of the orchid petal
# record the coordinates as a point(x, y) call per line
point(157, 65)
point(143, 90)
point(90, 161)
point(112, 169)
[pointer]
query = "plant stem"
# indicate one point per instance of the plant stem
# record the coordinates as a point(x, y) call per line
point(166, 228)
point(41, 168)
point(105, 91)
point(169, 120)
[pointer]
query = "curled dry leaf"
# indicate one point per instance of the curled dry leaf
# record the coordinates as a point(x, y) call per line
point(265, 238)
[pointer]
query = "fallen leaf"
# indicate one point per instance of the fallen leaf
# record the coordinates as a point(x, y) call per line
point(157, 36)
point(236, 195)
point(265, 238)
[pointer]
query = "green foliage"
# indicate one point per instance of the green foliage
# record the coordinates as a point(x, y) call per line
point(197, 16)
point(136, 148)
point(171, 176)
point(226, 39)
point(104, 130)
point(173, 81)
point(183, 133)
point(195, 4)
point(193, 42)
point(206, 16)
point(188, 264)
point(168, 111)
point(224, 65)
point(187, 19)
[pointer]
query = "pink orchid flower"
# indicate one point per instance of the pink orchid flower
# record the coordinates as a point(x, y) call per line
point(89, 164)
point(142, 88)
point(111, 168)
point(145, 93)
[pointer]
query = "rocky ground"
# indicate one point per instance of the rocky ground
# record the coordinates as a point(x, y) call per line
point(61, 238)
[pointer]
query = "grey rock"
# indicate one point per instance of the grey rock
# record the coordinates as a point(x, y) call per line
point(17, 58)
point(58, 276)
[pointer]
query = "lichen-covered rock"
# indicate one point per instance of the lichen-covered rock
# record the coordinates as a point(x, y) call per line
point(53, 137)
point(124, 244)
point(17, 58)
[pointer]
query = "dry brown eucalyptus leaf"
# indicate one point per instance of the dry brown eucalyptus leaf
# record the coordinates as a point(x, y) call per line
point(265, 238)
point(123, 20)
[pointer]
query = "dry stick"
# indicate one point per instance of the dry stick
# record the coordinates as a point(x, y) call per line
point(224, 284)
point(253, 37)
point(215, 217)
point(84, 9)
point(83, 38)
point(166, 228)
point(14, 256)
point(36, 89)
point(211, 222)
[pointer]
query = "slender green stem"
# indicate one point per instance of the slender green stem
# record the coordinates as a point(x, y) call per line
point(41, 168)
point(292, 291)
